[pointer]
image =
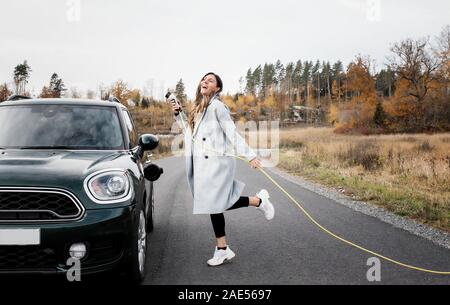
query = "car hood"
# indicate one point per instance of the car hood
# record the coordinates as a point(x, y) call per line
point(63, 169)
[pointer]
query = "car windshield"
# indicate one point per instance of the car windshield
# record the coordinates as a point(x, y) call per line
point(60, 127)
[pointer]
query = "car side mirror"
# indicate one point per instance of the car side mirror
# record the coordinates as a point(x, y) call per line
point(148, 142)
point(152, 172)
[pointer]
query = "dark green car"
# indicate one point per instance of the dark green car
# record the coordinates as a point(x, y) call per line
point(75, 184)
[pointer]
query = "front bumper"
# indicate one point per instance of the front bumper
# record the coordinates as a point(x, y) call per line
point(106, 232)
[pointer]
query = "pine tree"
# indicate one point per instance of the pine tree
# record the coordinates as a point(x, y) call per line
point(279, 73)
point(316, 78)
point(306, 77)
point(379, 117)
point(145, 103)
point(180, 91)
point(21, 76)
point(257, 80)
point(57, 86)
point(337, 71)
point(250, 84)
point(289, 79)
point(297, 79)
point(385, 81)
point(268, 79)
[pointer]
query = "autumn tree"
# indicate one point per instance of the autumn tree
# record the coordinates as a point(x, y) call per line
point(135, 96)
point(4, 92)
point(360, 81)
point(121, 91)
point(361, 84)
point(414, 64)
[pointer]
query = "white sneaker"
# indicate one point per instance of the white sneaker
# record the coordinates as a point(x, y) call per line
point(220, 256)
point(266, 206)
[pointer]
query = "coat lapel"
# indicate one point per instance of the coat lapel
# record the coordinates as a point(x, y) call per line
point(203, 115)
point(198, 123)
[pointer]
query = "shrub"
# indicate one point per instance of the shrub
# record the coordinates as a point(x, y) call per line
point(364, 153)
point(425, 146)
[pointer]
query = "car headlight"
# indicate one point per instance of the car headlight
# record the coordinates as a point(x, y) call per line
point(110, 186)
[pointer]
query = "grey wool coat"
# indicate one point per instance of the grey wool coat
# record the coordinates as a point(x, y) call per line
point(209, 168)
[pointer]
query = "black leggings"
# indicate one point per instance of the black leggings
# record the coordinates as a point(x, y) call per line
point(218, 220)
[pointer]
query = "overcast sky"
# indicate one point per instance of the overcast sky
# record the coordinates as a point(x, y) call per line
point(159, 42)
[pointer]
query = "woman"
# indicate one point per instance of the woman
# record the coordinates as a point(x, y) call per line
point(210, 170)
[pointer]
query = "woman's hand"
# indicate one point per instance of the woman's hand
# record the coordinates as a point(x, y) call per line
point(175, 107)
point(255, 163)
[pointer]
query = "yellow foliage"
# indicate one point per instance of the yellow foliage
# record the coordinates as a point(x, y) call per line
point(333, 116)
point(134, 94)
point(228, 100)
point(270, 102)
point(121, 91)
point(360, 81)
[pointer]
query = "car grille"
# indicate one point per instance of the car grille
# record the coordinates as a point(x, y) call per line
point(42, 205)
point(27, 257)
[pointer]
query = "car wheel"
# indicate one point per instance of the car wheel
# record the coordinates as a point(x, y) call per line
point(151, 212)
point(136, 267)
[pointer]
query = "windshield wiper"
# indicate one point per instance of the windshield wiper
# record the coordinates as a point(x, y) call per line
point(47, 147)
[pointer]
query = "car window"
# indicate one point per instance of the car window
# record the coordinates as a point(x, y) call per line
point(71, 126)
point(132, 134)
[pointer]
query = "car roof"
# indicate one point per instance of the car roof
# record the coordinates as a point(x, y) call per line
point(62, 101)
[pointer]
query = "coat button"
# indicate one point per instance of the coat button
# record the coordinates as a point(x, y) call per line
point(204, 139)
point(206, 157)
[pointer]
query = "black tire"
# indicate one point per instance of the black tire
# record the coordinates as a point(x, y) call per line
point(134, 270)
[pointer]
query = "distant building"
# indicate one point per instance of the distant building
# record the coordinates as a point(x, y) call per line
point(307, 114)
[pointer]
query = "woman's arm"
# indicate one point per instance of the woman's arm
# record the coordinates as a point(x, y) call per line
point(179, 115)
point(229, 128)
point(181, 119)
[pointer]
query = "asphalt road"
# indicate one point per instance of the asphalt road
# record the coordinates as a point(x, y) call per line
point(286, 250)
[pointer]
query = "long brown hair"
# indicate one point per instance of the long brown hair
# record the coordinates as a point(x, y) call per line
point(201, 102)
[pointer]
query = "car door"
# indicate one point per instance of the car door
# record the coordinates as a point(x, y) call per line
point(133, 144)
